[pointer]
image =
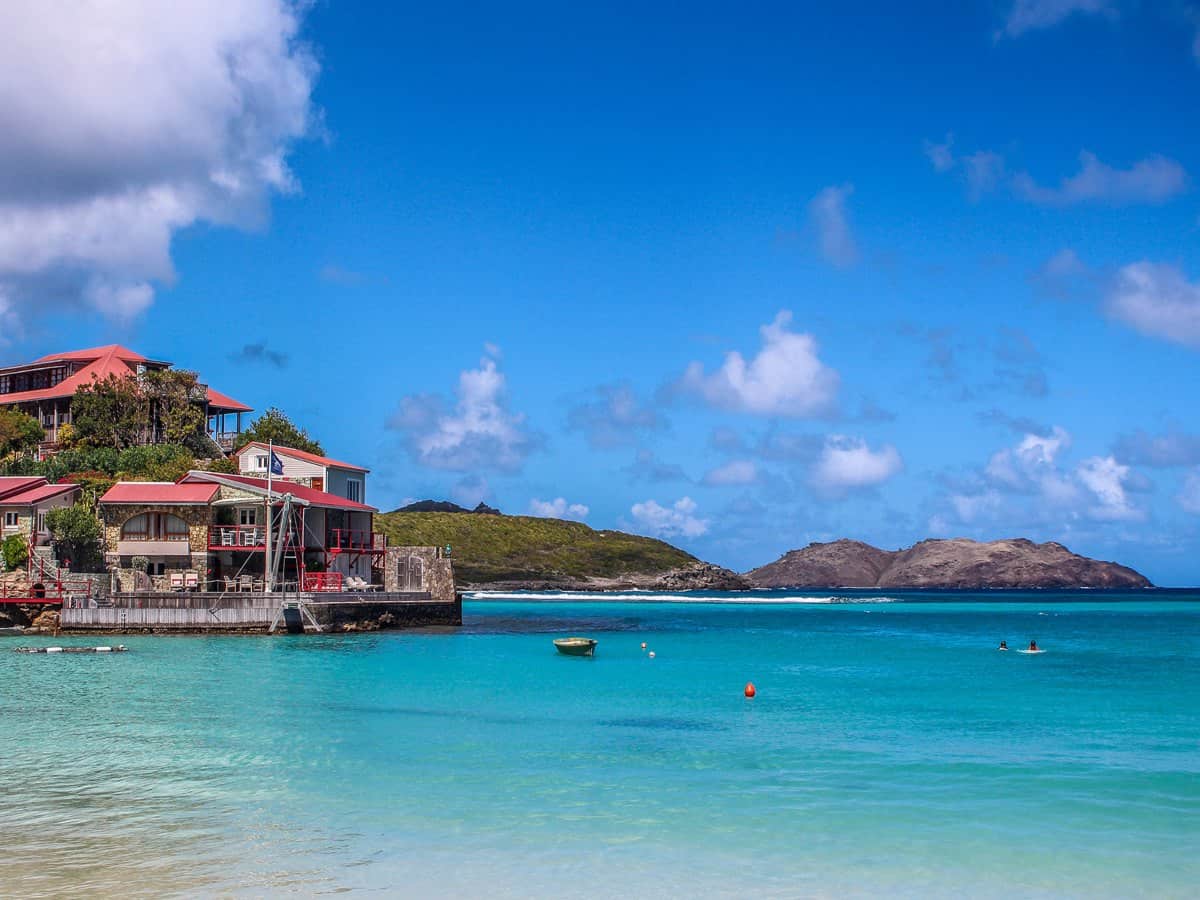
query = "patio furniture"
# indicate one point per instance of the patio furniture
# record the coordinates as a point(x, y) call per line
point(227, 538)
point(177, 581)
point(191, 581)
point(245, 583)
point(230, 583)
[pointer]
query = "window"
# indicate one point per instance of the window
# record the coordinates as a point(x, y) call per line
point(260, 462)
point(155, 527)
point(4, 386)
point(10, 519)
point(354, 490)
point(248, 515)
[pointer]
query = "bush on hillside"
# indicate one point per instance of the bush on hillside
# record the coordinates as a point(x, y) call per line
point(15, 550)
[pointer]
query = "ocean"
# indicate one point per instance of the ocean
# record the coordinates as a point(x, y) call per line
point(890, 750)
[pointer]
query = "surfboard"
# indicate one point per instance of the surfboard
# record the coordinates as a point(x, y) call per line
point(1031, 652)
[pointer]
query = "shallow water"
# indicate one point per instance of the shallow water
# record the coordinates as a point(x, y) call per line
point(890, 749)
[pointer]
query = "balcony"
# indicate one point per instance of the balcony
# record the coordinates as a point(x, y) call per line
point(226, 440)
point(347, 540)
point(236, 537)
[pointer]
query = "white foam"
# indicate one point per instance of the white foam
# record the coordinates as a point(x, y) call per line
point(651, 597)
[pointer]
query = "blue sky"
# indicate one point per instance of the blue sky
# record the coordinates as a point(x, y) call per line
point(511, 254)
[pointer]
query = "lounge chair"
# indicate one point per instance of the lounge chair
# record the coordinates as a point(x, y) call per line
point(177, 581)
point(191, 581)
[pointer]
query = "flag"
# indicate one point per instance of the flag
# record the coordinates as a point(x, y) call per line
point(276, 465)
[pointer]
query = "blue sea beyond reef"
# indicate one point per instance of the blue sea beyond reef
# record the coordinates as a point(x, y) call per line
point(890, 750)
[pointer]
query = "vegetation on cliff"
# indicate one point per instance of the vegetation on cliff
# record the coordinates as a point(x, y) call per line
point(491, 548)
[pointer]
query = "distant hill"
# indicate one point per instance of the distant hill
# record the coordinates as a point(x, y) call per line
point(956, 563)
point(523, 552)
point(445, 506)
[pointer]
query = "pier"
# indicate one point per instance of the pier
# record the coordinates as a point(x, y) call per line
point(261, 612)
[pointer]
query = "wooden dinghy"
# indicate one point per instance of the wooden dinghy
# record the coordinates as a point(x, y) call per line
point(575, 646)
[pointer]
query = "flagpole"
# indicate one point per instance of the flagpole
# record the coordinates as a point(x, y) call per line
point(267, 556)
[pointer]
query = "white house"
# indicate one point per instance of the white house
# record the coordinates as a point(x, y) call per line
point(24, 503)
point(318, 472)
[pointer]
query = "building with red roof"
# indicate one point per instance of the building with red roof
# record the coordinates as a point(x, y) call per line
point(213, 526)
point(330, 475)
point(45, 388)
point(24, 502)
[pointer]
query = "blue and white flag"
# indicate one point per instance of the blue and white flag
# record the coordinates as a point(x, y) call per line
point(276, 465)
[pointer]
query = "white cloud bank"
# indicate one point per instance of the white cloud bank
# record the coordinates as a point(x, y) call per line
point(558, 508)
point(480, 432)
point(1029, 482)
point(126, 121)
point(786, 378)
point(1152, 180)
point(828, 214)
point(677, 520)
point(1158, 301)
point(849, 463)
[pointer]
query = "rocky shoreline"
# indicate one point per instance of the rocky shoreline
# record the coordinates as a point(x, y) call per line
point(698, 576)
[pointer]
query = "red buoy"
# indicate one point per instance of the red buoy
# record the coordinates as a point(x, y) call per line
point(750, 692)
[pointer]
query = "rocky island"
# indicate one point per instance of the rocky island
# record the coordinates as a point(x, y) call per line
point(960, 563)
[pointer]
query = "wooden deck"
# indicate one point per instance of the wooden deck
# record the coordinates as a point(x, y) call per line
point(212, 611)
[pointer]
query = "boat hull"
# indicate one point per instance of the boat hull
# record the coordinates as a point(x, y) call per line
point(575, 646)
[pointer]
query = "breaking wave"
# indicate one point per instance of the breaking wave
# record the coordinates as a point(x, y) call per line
point(652, 597)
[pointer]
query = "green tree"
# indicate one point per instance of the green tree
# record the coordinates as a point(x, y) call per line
point(15, 551)
point(274, 425)
point(110, 412)
point(76, 534)
point(18, 432)
point(175, 396)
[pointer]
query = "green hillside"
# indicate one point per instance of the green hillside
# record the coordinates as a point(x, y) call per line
point(523, 548)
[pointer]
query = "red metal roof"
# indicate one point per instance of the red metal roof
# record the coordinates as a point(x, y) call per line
point(15, 484)
point(309, 495)
point(304, 455)
point(225, 402)
point(112, 359)
point(37, 494)
point(165, 493)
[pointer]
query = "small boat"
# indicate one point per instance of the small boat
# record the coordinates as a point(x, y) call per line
point(575, 646)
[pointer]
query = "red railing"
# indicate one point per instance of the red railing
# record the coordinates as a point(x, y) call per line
point(340, 540)
point(234, 537)
point(322, 581)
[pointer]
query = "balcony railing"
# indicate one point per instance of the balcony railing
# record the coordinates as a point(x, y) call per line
point(322, 581)
point(226, 440)
point(341, 540)
point(236, 537)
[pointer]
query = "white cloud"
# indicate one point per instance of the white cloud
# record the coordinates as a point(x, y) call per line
point(828, 213)
point(479, 433)
point(786, 378)
point(677, 520)
point(846, 463)
point(984, 169)
point(558, 508)
point(614, 417)
point(126, 121)
point(1158, 301)
point(1030, 15)
point(1105, 478)
point(1153, 180)
point(1030, 483)
point(1189, 494)
point(941, 155)
point(736, 471)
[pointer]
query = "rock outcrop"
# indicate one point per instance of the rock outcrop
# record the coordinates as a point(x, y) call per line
point(956, 563)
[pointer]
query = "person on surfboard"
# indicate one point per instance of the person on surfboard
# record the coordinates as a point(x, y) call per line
point(1033, 647)
point(1003, 645)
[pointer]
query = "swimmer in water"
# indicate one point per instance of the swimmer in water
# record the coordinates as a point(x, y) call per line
point(1033, 646)
point(1003, 645)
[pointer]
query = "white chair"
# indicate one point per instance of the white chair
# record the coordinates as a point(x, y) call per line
point(191, 580)
point(177, 581)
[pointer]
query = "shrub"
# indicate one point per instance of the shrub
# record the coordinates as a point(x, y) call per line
point(76, 534)
point(15, 550)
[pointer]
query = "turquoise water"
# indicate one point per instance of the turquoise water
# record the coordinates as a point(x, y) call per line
point(890, 749)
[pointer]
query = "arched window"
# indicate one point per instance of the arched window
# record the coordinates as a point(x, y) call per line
point(154, 527)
